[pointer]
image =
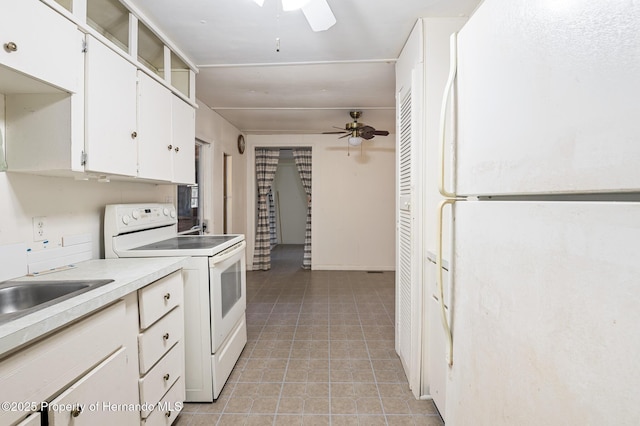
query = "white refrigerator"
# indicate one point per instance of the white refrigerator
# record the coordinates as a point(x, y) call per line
point(544, 276)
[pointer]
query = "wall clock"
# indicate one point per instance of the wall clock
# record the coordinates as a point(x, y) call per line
point(241, 144)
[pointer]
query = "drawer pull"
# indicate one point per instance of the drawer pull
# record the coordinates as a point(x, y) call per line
point(167, 296)
point(170, 147)
point(166, 336)
point(76, 412)
point(134, 135)
point(166, 377)
point(10, 47)
point(177, 148)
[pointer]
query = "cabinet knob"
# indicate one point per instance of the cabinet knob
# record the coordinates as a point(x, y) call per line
point(166, 336)
point(166, 377)
point(134, 135)
point(177, 148)
point(167, 296)
point(76, 412)
point(167, 414)
point(170, 147)
point(10, 47)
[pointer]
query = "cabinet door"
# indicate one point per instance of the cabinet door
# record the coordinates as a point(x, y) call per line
point(110, 126)
point(154, 129)
point(97, 398)
point(39, 42)
point(183, 131)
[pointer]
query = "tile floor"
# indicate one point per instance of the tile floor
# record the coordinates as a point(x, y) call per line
point(320, 352)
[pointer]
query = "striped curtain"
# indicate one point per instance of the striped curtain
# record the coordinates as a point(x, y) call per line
point(266, 166)
point(273, 231)
point(303, 162)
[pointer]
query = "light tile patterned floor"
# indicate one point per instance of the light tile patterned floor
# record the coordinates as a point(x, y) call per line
point(320, 352)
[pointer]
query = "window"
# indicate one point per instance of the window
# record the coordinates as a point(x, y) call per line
point(190, 209)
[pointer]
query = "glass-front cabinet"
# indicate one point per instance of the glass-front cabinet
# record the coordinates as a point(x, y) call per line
point(125, 29)
point(85, 101)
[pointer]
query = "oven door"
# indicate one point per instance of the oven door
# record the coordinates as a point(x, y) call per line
point(227, 272)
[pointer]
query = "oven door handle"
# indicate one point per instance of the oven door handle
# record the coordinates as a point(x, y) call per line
point(226, 254)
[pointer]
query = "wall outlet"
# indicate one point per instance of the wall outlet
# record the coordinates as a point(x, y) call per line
point(39, 228)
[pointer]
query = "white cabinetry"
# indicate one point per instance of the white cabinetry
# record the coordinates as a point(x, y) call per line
point(161, 349)
point(59, 363)
point(96, 397)
point(183, 132)
point(97, 113)
point(44, 47)
point(154, 129)
point(110, 112)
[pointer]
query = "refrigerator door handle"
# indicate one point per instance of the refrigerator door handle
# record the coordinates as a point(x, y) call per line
point(453, 69)
point(443, 312)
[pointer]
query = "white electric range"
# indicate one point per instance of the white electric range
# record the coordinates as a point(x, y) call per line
point(214, 281)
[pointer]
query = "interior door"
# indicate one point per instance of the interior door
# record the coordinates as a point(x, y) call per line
point(409, 306)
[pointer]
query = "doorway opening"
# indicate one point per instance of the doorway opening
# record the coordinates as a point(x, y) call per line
point(190, 205)
point(227, 190)
point(284, 196)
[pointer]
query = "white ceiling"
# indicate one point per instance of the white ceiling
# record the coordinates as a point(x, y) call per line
point(315, 79)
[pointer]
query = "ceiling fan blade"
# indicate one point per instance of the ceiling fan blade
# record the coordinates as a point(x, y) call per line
point(381, 133)
point(345, 136)
point(319, 15)
point(366, 132)
point(334, 133)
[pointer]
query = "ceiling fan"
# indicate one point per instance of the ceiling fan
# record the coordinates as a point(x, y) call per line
point(356, 131)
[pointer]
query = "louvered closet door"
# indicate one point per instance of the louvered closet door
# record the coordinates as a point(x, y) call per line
point(405, 267)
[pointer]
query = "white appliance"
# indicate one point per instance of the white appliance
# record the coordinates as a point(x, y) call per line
point(215, 288)
point(544, 272)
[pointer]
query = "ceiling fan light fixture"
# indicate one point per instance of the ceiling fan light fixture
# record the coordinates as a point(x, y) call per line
point(355, 140)
point(289, 5)
point(318, 14)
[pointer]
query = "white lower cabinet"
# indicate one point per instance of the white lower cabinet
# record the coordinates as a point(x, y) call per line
point(106, 369)
point(59, 363)
point(97, 398)
point(161, 350)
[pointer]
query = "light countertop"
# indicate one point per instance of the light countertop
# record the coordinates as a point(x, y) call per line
point(128, 274)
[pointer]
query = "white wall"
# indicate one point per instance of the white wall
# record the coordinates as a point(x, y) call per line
point(71, 207)
point(353, 200)
point(291, 202)
point(221, 138)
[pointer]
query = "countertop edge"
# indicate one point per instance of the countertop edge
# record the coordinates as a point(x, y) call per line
point(129, 275)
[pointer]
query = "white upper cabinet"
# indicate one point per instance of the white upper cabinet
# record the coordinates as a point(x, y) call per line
point(110, 121)
point(183, 132)
point(93, 90)
point(44, 48)
point(154, 129)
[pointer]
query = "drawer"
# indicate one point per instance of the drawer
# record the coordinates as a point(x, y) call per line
point(95, 398)
point(169, 406)
point(42, 369)
point(154, 342)
point(160, 378)
point(157, 299)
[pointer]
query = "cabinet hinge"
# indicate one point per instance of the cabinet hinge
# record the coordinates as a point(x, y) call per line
point(83, 158)
point(84, 46)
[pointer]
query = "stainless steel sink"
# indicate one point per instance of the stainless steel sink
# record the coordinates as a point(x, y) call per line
point(18, 298)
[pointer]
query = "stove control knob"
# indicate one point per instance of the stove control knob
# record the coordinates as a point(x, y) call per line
point(165, 211)
point(173, 214)
point(135, 214)
point(126, 219)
